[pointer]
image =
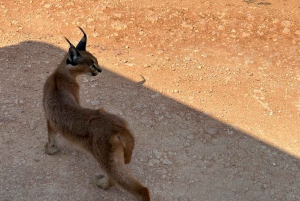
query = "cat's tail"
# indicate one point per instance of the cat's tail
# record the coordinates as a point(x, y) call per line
point(123, 144)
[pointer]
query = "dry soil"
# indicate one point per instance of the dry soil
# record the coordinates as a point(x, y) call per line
point(210, 90)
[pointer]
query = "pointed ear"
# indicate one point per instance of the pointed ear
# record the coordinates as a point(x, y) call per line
point(74, 56)
point(82, 43)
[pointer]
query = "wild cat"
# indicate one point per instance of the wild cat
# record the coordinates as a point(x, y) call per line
point(104, 135)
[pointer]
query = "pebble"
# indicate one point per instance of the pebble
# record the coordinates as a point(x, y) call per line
point(187, 26)
point(244, 34)
point(95, 102)
point(286, 23)
point(186, 144)
point(152, 162)
point(89, 20)
point(118, 25)
point(167, 115)
point(47, 5)
point(157, 154)
point(182, 125)
point(152, 19)
point(155, 95)
point(38, 178)
point(211, 131)
point(32, 125)
point(187, 58)
point(130, 64)
point(221, 28)
point(160, 118)
point(286, 31)
point(156, 112)
point(167, 162)
point(190, 137)
point(85, 79)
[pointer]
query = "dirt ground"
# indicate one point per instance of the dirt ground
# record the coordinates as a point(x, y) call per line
point(210, 90)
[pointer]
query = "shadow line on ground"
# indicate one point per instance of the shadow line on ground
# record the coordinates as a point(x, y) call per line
point(180, 154)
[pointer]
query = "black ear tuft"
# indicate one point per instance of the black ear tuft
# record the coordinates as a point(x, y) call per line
point(74, 56)
point(82, 43)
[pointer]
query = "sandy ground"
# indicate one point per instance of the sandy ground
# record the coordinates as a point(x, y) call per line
point(210, 90)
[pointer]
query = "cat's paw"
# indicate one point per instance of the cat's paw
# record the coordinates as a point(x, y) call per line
point(103, 182)
point(50, 149)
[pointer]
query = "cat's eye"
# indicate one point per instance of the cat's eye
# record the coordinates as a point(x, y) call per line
point(93, 64)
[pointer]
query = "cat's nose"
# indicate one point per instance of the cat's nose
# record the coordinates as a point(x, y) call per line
point(99, 70)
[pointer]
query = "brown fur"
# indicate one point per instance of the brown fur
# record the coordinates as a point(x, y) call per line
point(104, 135)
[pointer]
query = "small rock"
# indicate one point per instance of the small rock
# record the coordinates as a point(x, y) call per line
point(181, 125)
point(157, 154)
point(137, 106)
point(186, 144)
point(190, 137)
point(211, 127)
point(167, 162)
point(160, 118)
point(118, 25)
point(187, 58)
point(156, 112)
point(32, 125)
point(95, 102)
point(221, 28)
point(152, 162)
point(130, 64)
point(89, 20)
point(187, 26)
point(250, 17)
point(85, 79)
point(286, 23)
point(155, 95)
point(38, 178)
point(152, 19)
point(244, 34)
point(286, 31)
point(167, 115)
point(211, 131)
point(47, 5)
